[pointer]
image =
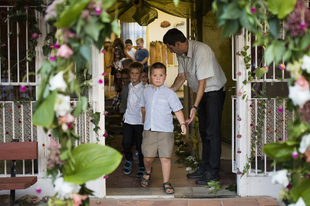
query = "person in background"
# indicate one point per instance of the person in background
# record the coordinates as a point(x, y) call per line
point(133, 126)
point(118, 87)
point(124, 94)
point(126, 63)
point(157, 103)
point(144, 78)
point(131, 51)
point(142, 54)
point(119, 43)
point(198, 65)
point(119, 57)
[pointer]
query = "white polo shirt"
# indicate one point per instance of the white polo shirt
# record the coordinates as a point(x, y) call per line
point(201, 63)
point(133, 114)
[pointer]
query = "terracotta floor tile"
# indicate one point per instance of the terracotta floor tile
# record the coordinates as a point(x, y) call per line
point(204, 203)
point(103, 202)
point(171, 203)
point(135, 202)
point(266, 201)
point(240, 202)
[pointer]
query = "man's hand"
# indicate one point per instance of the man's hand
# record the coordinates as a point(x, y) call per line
point(191, 116)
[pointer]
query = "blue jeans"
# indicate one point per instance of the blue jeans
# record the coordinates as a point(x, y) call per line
point(210, 117)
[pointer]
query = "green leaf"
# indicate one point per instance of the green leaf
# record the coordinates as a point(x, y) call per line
point(275, 52)
point(259, 72)
point(243, 53)
point(91, 162)
point(301, 190)
point(274, 25)
point(247, 21)
point(279, 151)
point(107, 3)
point(86, 52)
point(232, 11)
point(105, 17)
point(231, 27)
point(80, 107)
point(71, 13)
point(280, 7)
point(116, 27)
point(44, 115)
point(93, 28)
point(305, 41)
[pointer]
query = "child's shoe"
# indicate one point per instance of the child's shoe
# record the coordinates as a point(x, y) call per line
point(140, 171)
point(127, 167)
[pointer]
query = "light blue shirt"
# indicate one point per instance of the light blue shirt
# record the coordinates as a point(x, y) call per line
point(133, 114)
point(158, 105)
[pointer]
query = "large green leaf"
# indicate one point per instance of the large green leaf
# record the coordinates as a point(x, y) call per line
point(232, 11)
point(275, 52)
point(91, 162)
point(80, 107)
point(86, 52)
point(44, 115)
point(279, 151)
point(71, 13)
point(274, 25)
point(231, 27)
point(302, 190)
point(280, 7)
point(259, 72)
point(93, 28)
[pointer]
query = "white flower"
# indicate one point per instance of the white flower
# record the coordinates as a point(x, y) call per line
point(58, 82)
point(304, 144)
point(306, 63)
point(188, 168)
point(300, 202)
point(62, 105)
point(280, 177)
point(298, 95)
point(65, 189)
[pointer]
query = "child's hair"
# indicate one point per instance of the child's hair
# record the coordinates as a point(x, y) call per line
point(144, 71)
point(128, 41)
point(125, 71)
point(120, 52)
point(158, 65)
point(118, 42)
point(117, 81)
point(136, 65)
point(126, 63)
point(140, 39)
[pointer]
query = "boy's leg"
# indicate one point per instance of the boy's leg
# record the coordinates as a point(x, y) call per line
point(127, 139)
point(138, 130)
point(148, 169)
point(166, 169)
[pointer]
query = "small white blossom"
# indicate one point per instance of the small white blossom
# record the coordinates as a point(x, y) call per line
point(62, 105)
point(298, 95)
point(306, 63)
point(65, 189)
point(58, 82)
point(300, 202)
point(280, 177)
point(304, 144)
point(188, 168)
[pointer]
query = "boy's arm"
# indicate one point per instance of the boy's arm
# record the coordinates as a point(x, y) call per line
point(144, 60)
point(180, 116)
point(143, 114)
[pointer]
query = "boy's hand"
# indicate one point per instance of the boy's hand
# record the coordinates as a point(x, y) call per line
point(183, 128)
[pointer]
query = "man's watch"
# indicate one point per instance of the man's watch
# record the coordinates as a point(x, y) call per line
point(195, 107)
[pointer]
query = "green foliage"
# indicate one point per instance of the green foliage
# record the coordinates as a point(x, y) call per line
point(95, 120)
point(91, 161)
point(280, 8)
point(280, 151)
point(232, 187)
point(214, 186)
point(259, 72)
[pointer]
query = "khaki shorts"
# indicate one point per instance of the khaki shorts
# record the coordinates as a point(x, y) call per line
point(161, 142)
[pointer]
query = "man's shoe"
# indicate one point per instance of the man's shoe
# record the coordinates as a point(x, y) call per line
point(196, 174)
point(207, 177)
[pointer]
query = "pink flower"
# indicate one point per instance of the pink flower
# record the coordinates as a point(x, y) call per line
point(289, 186)
point(239, 93)
point(91, 120)
point(104, 51)
point(104, 74)
point(265, 33)
point(295, 154)
point(6, 132)
point(105, 134)
point(280, 110)
point(49, 135)
point(309, 175)
point(253, 10)
point(19, 121)
point(68, 118)
point(251, 105)
point(3, 45)
point(105, 176)
point(38, 190)
point(239, 119)
point(52, 58)
point(64, 51)
point(98, 11)
point(105, 113)
point(54, 145)
point(78, 198)
point(239, 173)
point(239, 136)
point(22, 88)
point(303, 25)
point(238, 54)
point(35, 35)
point(56, 46)
point(68, 34)
point(282, 66)
point(100, 81)
point(239, 73)
point(18, 106)
point(251, 125)
point(266, 68)
point(303, 83)
point(26, 7)
point(239, 152)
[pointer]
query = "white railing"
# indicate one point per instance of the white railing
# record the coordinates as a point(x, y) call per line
point(17, 124)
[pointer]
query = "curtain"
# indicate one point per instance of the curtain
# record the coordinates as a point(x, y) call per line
point(133, 31)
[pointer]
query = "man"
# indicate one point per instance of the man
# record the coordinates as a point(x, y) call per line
point(199, 66)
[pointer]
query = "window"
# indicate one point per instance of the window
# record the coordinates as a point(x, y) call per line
point(133, 31)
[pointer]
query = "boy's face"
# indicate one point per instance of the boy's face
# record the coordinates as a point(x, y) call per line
point(129, 46)
point(139, 44)
point(125, 79)
point(144, 78)
point(158, 77)
point(135, 76)
point(117, 75)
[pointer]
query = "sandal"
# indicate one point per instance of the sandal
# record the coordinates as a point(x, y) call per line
point(145, 182)
point(127, 167)
point(168, 188)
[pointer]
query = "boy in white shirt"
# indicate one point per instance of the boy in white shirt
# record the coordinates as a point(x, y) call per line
point(157, 103)
point(133, 126)
point(131, 51)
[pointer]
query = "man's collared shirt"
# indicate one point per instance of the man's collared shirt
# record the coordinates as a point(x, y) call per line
point(133, 114)
point(158, 105)
point(200, 63)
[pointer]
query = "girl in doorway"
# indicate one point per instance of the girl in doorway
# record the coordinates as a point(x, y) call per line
point(118, 88)
point(118, 57)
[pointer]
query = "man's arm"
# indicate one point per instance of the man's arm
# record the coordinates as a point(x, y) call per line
point(178, 82)
point(180, 116)
point(201, 88)
point(143, 114)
